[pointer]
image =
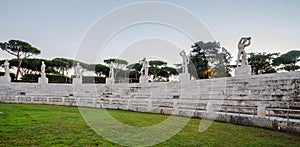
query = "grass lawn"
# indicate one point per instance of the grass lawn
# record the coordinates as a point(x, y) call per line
point(49, 125)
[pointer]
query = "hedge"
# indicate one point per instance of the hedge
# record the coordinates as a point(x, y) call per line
point(51, 78)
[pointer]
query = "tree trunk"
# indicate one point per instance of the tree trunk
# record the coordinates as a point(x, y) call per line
point(19, 67)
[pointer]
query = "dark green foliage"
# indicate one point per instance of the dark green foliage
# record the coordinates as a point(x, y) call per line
point(61, 65)
point(155, 68)
point(290, 67)
point(92, 79)
point(99, 69)
point(21, 50)
point(222, 67)
point(166, 72)
point(134, 66)
point(160, 70)
point(12, 62)
point(209, 60)
point(157, 63)
point(119, 67)
point(66, 62)
point(51, 78)
point(58, 79)
point(262, 62)
point(17, 46)
point(154, 71)
point(30, 78)
point(134, 74)
point(134, 71)
point(116, 61)
point(288, 60)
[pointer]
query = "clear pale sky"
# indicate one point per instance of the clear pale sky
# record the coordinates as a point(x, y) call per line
point(56, 27)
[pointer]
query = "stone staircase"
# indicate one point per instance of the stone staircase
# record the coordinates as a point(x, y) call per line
point(277, 95)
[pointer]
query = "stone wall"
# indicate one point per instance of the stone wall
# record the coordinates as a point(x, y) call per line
point(271, 100)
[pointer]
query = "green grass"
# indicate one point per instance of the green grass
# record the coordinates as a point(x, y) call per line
point(48, 125)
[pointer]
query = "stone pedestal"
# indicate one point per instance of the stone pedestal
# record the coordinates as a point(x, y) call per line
point(184, 77)
point(144, 79)
point(261, 111)
point(43, 80)
point(210, 111)
point(209, 107)
point(77, 80)
point(109, 81)
point(5, 80)
point(244, 70)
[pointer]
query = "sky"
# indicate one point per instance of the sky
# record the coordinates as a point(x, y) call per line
point(59, 28)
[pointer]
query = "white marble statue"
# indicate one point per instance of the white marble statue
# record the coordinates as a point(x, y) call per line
point(111, 71)
point(43, 67)
point(6, 68)
point(243, 43)
point(145, 67)
point(185, 61)
point(43, 79)
point(78, 71)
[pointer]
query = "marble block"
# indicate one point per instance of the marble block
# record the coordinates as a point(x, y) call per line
point(42, 80)
point(109, 81)
point(184, 77)
point(144, 79)
point(209, 107)
point(261, 111)
point(77, 81)
point(5, 80)
point(244, 70)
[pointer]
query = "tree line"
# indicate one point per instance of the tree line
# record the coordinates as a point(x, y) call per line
point(208, 59)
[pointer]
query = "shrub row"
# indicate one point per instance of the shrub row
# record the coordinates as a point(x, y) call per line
point(57, 78)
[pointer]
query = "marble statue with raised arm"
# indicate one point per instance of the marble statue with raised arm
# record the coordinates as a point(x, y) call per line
point(243, 43)
point(145, 67)
point(185, 61)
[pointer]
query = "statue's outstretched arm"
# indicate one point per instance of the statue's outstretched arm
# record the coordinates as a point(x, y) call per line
point(181, 53)
point(241, 40)
point(249, 42)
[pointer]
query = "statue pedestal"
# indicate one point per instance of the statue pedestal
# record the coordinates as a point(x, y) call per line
point(261, 111)
point(77, 81)
point(43, 80)
point(184, 77)
point(144, 79)
point(109, 81)
point(5, 80)
point(244, 70)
